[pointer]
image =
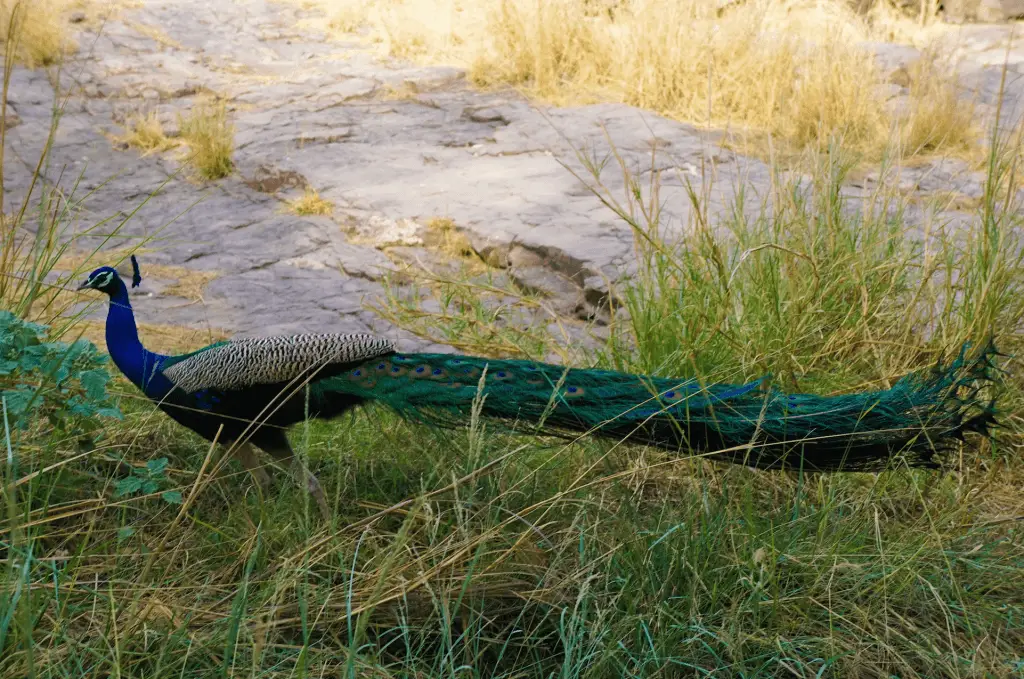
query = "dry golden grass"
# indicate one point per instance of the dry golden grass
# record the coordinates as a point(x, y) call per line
point(146, 133)
point(891, 24)
point(310, 203)
point(211, 138)
point(189, 283)
point(790, 68)
point(39, 27)
point(938, 119)
point(442, 234)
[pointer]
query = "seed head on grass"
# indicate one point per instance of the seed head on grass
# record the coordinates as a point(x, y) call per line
point(211, 139)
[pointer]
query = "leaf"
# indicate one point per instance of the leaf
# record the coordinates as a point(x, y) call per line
point(128, 486)
point(95, 383)
point(32, 358)
point(75, 350)
point(18, 400)
point(172, 497)
point(156, 467)
point(75, 406)
point(149, 487)
point(52, 381)
point(63, 372)
point(125, 532)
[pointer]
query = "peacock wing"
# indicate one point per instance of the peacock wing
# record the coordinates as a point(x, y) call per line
point(251, 361)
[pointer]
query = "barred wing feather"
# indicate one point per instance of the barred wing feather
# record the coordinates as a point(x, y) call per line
point(247, 362)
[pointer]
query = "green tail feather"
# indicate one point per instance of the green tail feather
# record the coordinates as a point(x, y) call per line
point(748, 424)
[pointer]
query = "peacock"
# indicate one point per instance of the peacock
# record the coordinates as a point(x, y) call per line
point(247, 391)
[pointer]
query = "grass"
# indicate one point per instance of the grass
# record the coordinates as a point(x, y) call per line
point(38, 30)
point(943, 122)
point(786, 68)
point(475, 553)
point(211, 139)
point(310, 204)
point(146, 133)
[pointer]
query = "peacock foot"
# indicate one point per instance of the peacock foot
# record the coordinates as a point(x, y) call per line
point(247, 455)
point(303, 476)
point(313, 486)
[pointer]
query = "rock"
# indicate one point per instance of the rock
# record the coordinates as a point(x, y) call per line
point(892, 60)
point(308, 112)
point(485, 115)
point(271, 179)
point(997, 11)
point(381, 232)
point(986, 11)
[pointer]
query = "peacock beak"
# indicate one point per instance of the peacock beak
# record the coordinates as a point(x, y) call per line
point(83, 286)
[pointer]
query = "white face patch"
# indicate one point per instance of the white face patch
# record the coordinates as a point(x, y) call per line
point(102, 281)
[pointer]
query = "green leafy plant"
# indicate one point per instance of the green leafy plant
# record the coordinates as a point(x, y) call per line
point(64, 384)
point(148, 480)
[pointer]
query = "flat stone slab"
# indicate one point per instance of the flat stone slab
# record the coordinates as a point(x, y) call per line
point(392, 146)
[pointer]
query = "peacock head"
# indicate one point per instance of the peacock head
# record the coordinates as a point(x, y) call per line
point(107, 279)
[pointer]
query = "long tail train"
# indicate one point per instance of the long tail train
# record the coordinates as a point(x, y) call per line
point(749, 424)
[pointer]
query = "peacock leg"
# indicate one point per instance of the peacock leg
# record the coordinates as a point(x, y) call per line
point(247, 455)
point(278, 447)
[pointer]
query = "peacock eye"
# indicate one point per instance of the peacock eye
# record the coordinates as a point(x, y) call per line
point(572, 390)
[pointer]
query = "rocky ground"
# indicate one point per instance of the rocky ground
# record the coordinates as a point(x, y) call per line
point(393, 147)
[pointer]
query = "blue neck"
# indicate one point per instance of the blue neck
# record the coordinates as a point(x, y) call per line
point(123, 343)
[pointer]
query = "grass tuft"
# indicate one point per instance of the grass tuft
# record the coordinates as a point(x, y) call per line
point(790, 68)
point(310, 204)
point(38, 29)
point(938, 118)
point(146, 133)
point(210, 136)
